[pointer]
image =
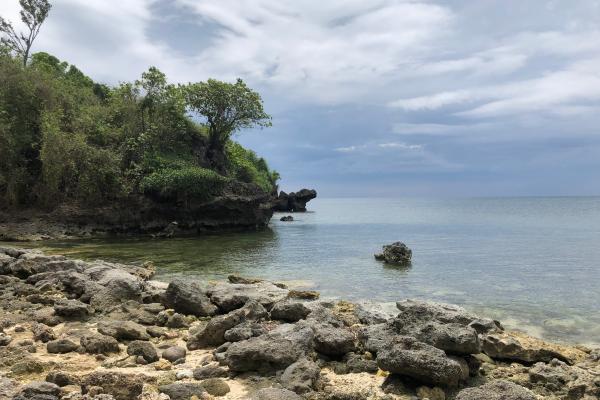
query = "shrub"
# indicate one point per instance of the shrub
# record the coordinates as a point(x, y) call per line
point(185, 183)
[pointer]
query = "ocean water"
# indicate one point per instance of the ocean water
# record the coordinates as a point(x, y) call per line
point(533, 263)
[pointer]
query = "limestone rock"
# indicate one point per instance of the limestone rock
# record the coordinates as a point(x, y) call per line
point(188, 297)
point(496, 390)
point(395, 253)
point(301, 376)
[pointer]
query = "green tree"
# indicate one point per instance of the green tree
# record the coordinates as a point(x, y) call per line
point(227, 108)
point(33, 14)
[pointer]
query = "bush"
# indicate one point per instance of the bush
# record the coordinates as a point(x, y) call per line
point(186, 183)
point(245, 166)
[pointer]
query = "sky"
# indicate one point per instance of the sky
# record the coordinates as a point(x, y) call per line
point(375, 98)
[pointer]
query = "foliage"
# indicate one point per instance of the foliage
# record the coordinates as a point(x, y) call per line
point(64, 137)
point(227, 107)
point(33, 14)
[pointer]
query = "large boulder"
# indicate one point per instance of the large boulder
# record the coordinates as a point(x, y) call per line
point(521, 347)
point(294, 202)
point(272, 352)
point(213, 334)
point(71, 309)
point(289, 311)
point(496, 390)
point(333, 341)
point(301, 376)
point(408, 357)
point(188, 297)
point(229, 297)
point(395, 253)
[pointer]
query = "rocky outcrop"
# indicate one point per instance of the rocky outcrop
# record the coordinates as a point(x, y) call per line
point(255, 337)
point(396, 253)
point(294, 202)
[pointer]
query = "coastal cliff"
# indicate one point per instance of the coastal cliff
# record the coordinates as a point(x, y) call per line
point(80, 330)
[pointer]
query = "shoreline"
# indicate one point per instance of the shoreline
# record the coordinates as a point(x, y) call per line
point(108, 327)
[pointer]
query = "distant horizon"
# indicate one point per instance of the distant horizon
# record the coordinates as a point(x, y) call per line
point(426, 98)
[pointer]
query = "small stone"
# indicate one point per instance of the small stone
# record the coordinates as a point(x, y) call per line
point(163, 365)
point(61, 346)
point(5, 339)
point(174, 353)
point(216, 387)
point(143, 349)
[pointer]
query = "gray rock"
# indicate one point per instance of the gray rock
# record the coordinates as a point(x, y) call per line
point(271, 352)
point(123, 330)
point(183, 391)
point(174, 353)
point(120, 385)
point(333, 341)
point(210, 371)
point(143, 349)
point(229, 297)
point(188, 297)
point(496, 390)
point(244, 331)
point(376, 337)
point(5, 339)
point(409, 357)
point(395, 253)
point(356, 363)
point(290, 311)
point(61, 378)
point(39, 390)
point(99, 344)
point(61, 346)
point(72, 309)
point(275, 394)
point(301, 376)
point(213, 334)
point(42, 333)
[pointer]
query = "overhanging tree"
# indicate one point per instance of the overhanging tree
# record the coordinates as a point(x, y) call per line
point(33, 14)
point(227, 108)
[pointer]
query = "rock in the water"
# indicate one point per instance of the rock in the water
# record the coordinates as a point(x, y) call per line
point(301, 376)
point(232, 296)
point(144, 349)
point(395, 253)
point(213, 334)
point(99, 344)
point(183, 391)
point(123, 330)
point(294, 202)
point(174, 353)
point(61, 346)
point(275, 394)
point(406, 356)
point(188, 297)
point(287, 218)
point(290, 311)
point(496, 390)
point(522, 347)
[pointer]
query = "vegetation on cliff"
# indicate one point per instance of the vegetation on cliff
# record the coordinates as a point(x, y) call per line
point(65, 138)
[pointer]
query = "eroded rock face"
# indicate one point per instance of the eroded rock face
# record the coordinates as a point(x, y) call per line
point(294, 202)
point(396, 253)
point(496, 390)
point(406, 356)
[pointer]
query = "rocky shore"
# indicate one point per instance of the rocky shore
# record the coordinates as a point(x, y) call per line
point(75, 330)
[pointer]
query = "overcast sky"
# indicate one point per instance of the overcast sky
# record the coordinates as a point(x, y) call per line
point(376, 98)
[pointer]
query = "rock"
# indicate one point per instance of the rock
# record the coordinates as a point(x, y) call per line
point(213, 334)
point(121, 386)
point(144, 349)
point(188, 297)
point(294, 202)
point(60, 378)
point(496, 390)
point(229, 297)
point(395, 253)
point(210, 371)
point(176, 321)
point(8, 388)
point(71, 309)
point(287, 218)
point(61, 346)
point(376, 337)
point(216, 387)
point(99, 344)
point(424, 392)
point(243, 280)
point(301, 376)
point(271, 352)
point(42, 333)
point(406, 356)
point(356, 363)
point(290, 311)
point(244, 331)
point(123, 330)
point(155, 331)
point(183, 391)
point(39, 390)
point(303, 294)
point(521, 347)
point(333, 341)
point(169, 231)
point(174, 353)
point(275, 394)
point(5, 339)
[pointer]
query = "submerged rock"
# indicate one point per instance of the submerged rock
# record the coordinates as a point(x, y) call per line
point(395, 253)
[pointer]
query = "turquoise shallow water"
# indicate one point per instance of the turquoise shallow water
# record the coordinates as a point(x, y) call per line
point(533, 263)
